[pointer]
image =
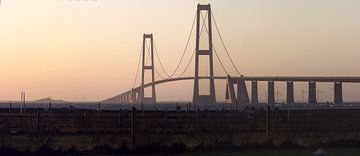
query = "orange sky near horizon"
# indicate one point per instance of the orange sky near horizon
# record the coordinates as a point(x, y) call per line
point(88, 50)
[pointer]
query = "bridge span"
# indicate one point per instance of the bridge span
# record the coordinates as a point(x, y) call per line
point(132, 96)
point(237, 95)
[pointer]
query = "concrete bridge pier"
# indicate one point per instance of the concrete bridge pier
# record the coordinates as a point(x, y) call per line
point(312, 92)
point(230, 91)
point(338, 98)
point(121, 99)
point(118, 99)
point(271, 95)
point(227, 96)
point(290, 92)
point(254, 92)
point(242, 94)
point(126, 98)
point(134, 95)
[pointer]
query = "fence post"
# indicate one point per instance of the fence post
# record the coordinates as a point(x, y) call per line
point(119, 117)
point(38, 117)
point(189, 105)
point(267, 121)
point(133, 113)
point(165, 115)
point(327, 105)
point(29, 117)
point(50, 108)
point(99, 108)
point(10, 107)
point(85, 114)
point(288, 117)
point(197, 115)
point(276, 117)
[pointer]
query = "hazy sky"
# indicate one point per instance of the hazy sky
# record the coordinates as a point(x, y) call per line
point(87, 49)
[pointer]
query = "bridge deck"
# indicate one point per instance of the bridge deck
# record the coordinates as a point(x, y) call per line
point(346, 79)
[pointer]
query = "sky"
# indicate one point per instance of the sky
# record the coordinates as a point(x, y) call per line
point(89, 49)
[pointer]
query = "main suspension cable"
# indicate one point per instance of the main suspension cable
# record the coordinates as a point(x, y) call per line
point(148, 53)
point(222, 41)
point(216, 54)
point(186, 46)
point(161, 65)
point(187, 66)
point(137, 69)
point(157, 72)
point(192, 55)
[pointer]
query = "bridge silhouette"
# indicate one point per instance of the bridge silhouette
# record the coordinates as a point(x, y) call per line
point(236, 89)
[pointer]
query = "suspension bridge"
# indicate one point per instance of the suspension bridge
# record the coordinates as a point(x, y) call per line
point(236, 88)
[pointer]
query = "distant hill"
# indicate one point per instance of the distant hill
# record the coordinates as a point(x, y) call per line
point(48, 100)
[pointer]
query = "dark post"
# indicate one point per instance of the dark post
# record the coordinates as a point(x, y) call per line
point(187, 107)
point(38, 117)
point(271, 95)
point(276, 117)
point(165, 114)
point(290, 92)
point(254, 92)
point(338, 98)
point(22, 102)
point(10, 107)
point(327, 105)
point(50, 108)
point(288, 117)
point(119, 117)
point(197, 115)
point(267, 121)
point(312, 92)
point(133, 113)
point(85, 113)
point(29, 117)
point(99, 108)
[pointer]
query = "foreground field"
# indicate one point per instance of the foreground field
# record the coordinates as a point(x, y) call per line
point(129, 131)
point(331, 151)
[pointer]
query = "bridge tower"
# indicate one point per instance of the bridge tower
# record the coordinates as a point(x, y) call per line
point(142, 98)
point(210, 98)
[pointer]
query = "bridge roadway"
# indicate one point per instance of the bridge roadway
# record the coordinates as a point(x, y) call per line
point(345, 79)
point(267, 78)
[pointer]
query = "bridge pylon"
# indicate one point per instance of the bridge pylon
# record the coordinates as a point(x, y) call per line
point(210, 98)
point(141, 95)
